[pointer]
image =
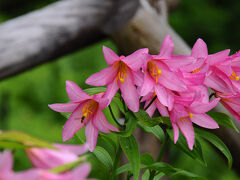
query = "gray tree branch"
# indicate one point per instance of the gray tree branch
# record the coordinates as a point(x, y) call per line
point(58, 29)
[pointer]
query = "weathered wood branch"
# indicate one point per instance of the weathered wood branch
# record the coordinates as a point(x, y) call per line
point(58, 29)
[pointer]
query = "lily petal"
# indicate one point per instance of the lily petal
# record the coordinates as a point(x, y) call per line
point(73, 124)
point(63, 107)
point(147, 85)
point(91, 135)
point(162, 109)
point(151, 109)
point(6, 161)
point(166, 49)
point(73, 148)
point(162, 94)
point(129, 93)
point(204, 120)
point(136, 59)
point(171, 81)
point(199, 107)
point(218, 57)
point(110, 56)
point(81, 172)
point(187, 130)
point(100, 122)
point(199, 49)
point(175, 132)
point(111, 90)
point(75, 93)
point(103, 77)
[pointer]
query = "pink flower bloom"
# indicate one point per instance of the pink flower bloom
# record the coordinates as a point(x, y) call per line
point(231, 101)
point(49, 158)
point(86, 110)
point(235, 65)
point(183, 115)
point(220, 72)
point(6, 165)
point(6, 172)
point(79, 173)
point(159, 78)
point(155, 105)
point(120, 75)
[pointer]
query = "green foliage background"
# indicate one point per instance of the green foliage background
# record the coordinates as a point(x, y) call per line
point(24, 98)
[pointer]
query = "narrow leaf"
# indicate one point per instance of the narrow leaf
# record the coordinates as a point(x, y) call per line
point(24, 139)
point(130, 125)
point(171, 171)
point(12, 145)
point(147, 159)
point(223, 119)
point(196, 153)
point(130, 148)
point(216, 142)
point(156, 130)
point(95, 90)
point(103, 156)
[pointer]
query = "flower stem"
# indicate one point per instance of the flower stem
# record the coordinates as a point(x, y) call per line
point(155, 97)
point(110, 109)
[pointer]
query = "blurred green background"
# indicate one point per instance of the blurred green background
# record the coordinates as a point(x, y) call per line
point(24, 98)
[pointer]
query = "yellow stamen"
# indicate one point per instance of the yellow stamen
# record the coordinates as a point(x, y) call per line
point(234, 76)
point(186, 117)
point(196, 70)
point(152, 68)
point(88, 109)
point(122, 70)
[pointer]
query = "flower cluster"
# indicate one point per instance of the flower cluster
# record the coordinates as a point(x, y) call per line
point(180, 83)
point(43, 161)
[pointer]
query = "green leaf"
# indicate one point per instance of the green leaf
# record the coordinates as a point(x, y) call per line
point(130, 125)
point(216, 142)
point(196, 153)
point(147, 159)
point(146, 120)
point(95, 90)
point(171, 171)
point(124, 168)
point(130, 148)
point(185, 174)
point(156, 130)
point(12, 145)
point(24, 139)
point(103, 156)
point(223, 119)
point(119, 103)
point(107, 143)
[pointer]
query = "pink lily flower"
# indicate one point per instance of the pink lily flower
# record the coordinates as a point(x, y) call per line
point(235, 65)
point(182, 117)
point(195, 72)
point(120, 75)
point(50, 158)
point(159, 78)
point(6, 172)
point(79, 173)
point(86, 111)
point(6, 165)
point(220, 72)
point(231, 101)
point(155, 105)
